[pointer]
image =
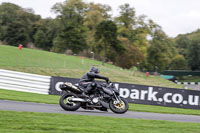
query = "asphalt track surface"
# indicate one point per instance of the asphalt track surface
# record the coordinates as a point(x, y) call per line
point(53, 108)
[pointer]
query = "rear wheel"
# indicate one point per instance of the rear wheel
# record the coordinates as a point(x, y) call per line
point(119, 108)
point(66, 103)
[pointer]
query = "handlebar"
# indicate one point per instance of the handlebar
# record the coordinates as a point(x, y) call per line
point(109, 83)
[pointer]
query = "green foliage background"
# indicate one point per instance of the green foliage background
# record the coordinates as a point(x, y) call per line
point(79, 29)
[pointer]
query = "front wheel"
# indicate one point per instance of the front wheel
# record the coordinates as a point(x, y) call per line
point(119, 108)
point(67, 104)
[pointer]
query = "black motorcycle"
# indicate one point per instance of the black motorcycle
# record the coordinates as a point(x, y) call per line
point(104, 96)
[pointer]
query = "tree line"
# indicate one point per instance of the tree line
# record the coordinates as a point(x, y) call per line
point(83, 28)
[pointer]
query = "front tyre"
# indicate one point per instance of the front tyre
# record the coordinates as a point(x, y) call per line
point(68, 105)
point(119, 108)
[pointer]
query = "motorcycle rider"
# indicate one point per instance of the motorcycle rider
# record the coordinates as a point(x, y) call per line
point(87, 83)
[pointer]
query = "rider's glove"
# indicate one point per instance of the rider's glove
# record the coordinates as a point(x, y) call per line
point(107, 79)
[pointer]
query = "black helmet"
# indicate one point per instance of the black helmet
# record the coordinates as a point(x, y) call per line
point(95, 70)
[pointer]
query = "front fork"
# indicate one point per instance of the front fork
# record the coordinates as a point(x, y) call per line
point(118, 99)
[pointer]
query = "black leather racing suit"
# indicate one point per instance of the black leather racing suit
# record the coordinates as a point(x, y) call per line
point(86, 81)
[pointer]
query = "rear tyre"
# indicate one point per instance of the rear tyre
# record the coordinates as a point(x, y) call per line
point(68, 105)
point(119, 108)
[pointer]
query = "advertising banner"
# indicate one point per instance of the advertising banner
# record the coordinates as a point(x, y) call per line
point(149, 95)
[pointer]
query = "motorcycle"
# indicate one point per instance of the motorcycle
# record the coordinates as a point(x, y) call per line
point(104, 96)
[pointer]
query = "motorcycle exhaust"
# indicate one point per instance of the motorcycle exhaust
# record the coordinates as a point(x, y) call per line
point(78, 100)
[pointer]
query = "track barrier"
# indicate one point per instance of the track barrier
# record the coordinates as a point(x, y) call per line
point(19, 81)
point(139, 94)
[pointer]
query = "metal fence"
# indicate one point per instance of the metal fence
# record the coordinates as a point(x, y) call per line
point(18, 81)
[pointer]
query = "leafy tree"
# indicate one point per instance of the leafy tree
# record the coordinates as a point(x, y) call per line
point(134, 28)
point(182, 43)
point(140, 34)
point(194, 55)
point(8, 13)
point(126, 20)
point(40, 40)
point(16, 23)
point(95, 14)
point(1, 31)
point(106, 34)
point(71, 39)
point(131, 57)
point(178, 63)
point(28, 19)
point(59, 45)
point(15, 34)
point(127, 16)
point(71, 16)
point(50, 28)
point(187, 45)
point(161, 51)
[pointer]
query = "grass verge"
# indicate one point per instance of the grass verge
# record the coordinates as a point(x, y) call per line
point(190, 79)
point(53, 64)
point(53, 99)
point(23, 122)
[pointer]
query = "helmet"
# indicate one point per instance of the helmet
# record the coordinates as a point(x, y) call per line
point(95, 70)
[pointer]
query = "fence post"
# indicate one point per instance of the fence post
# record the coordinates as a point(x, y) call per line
point(58, 63)
point(64, 64)
point(39, 62)
point(28, 61)
point(49, 63)
point(16, 61)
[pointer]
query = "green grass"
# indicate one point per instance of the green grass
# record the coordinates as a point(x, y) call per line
point(28, 97)
point(52, 99)
point(25, 122)
point(190, 79)
point(53, 64)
